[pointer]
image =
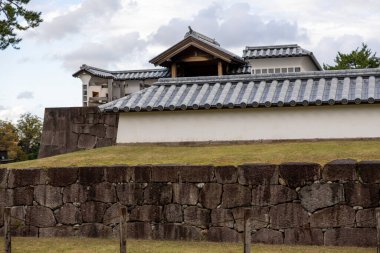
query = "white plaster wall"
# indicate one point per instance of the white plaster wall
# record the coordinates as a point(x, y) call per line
point(322, 122)
point(304, 62)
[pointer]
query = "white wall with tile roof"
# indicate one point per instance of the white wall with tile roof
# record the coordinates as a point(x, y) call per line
point(304, 62)
point(278, 123)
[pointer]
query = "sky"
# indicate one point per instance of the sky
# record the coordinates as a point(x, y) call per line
point(126, 34)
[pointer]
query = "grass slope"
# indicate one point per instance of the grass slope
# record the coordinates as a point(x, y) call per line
point(233, 154)
point(87, 245)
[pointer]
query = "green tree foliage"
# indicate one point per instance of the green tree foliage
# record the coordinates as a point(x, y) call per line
point(357, 59)
point(29, 131)
point(9, 141)
point(14, 17)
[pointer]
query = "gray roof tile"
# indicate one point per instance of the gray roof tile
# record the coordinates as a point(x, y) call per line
point(240, 91)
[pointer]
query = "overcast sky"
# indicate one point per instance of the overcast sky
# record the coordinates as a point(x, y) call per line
point(125, 34)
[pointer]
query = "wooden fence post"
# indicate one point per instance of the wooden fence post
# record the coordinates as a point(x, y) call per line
point(247, 231)
point(378, 228)
point(7, 230)
point(123, 230)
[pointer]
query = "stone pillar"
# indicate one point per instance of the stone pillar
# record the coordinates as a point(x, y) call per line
point(85, 78)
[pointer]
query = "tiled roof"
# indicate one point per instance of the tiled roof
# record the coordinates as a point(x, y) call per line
point(278, 51)
point(241, 91)
point(125, 75)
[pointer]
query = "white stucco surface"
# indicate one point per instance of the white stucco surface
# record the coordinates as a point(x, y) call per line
point(303, 62)
point(277, 123)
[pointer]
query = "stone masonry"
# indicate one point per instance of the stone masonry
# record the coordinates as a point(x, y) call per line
point(292, 203)
point(74, 128)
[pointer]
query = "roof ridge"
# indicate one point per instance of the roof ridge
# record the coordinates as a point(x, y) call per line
point(193, 33)
point(273, 46)
point(253, 77)
point(86, 67)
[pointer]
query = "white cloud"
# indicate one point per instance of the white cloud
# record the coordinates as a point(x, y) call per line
point(12, 113)
point(25, 95)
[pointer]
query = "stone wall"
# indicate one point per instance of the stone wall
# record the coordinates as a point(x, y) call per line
point(74, 128)
point(292, 203)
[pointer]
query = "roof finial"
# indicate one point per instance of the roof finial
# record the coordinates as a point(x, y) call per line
point(190, 30)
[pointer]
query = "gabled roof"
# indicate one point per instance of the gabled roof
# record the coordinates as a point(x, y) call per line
point(241, 91)
point(124, 74)
point(193, 38)
point(278, 51)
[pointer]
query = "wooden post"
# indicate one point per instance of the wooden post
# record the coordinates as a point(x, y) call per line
point(174, 70)
point(220, 68)
point(247, 231)
point(123, 230)
point(7, 229)
point(378, 228)
point(110, 90)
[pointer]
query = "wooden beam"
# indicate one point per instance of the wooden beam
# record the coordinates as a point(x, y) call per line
point(220, 68)
point(195, 59)
point(174, 70)
point(110, 90)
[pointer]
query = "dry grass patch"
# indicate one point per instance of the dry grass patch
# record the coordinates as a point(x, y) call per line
point(232, 154)
point(87, 245)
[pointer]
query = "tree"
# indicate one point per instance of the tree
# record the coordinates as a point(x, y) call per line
point(9, 141)
point(29, 129)
point(14, 17)
point(357, 59)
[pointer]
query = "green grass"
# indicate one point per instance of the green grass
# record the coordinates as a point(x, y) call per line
point(87, 245)
point(312, 151)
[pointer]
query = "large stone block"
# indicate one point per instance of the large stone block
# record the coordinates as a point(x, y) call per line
point(110, 119)
point(303, 236)
point(223, 234)
point(130, 193)
point(169, 231)
point(68, 214)
point(48, 196)
point(91, 175)
point(113, 214)
point(185, 194)
point(259, 217)
point(268, 236)
point(24, 231)
point(99, 130)
point(141, 174)
point(39, 216)
point(104, 142)
point(336, 216)
point(222, 218)
point(298, 174)
point(139, 230)
point(226, 174)
point(369, 171)
point(257, 174)
point(359, 237)
point(18, 214)
point(288, 215)
point(340, 170)
point(235, 195)
point(173, 213)
point(165, 173)
point(95, 230)
point(93, 211)
point(148, 213)
point(86, 141)
point(264, 195)
point(364, 195)
point(366, 218)
point(26, 177)
point(75, 193)
point(22, 196)
point(197, 216)
point(317, 196)
point(196, 174)
point(111, 132)
point(61, 231)
point(211, 195)
point(118, 174)
point(62, 176)
point(158, 194)
point(103, 192)
point(3, 178)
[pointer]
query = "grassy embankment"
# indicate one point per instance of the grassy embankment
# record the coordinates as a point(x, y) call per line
point(86, 245)
point(232, 154)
